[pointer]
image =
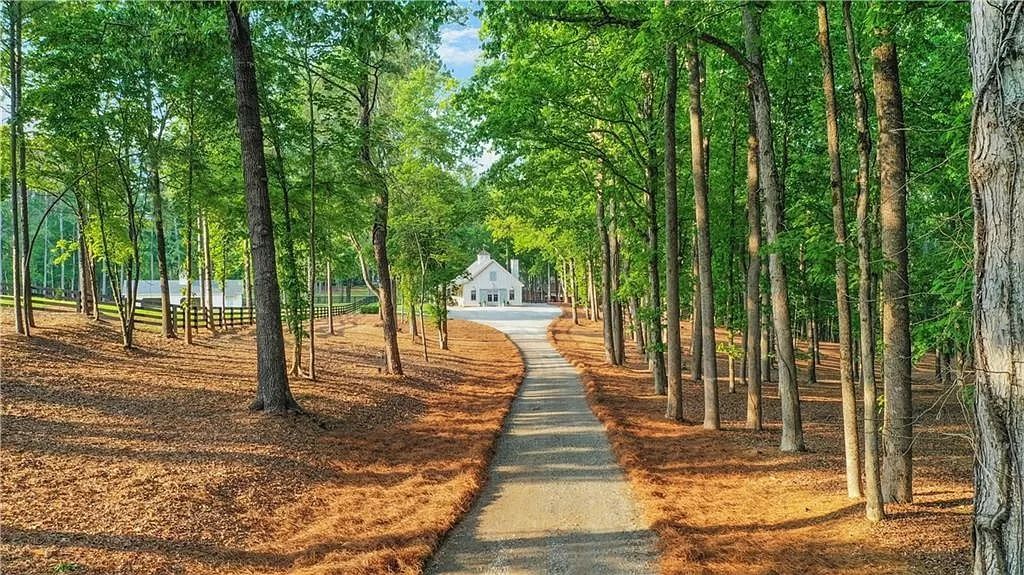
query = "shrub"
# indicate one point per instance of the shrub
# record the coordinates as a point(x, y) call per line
point(370, 308)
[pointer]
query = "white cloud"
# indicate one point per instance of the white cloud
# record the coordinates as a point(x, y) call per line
point(459, 46)
point(485, 160)
point(459, 35)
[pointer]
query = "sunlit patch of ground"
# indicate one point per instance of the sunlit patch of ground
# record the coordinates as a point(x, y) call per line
point(148, 462)
point(729, 502)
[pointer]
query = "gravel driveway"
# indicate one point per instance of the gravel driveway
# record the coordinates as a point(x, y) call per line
point(556, 501)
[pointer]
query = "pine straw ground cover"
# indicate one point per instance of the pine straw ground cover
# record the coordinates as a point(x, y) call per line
point(148, 462)
point(729, 502)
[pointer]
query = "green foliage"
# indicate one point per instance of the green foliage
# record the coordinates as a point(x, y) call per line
point(370, 308)
point(66, 567)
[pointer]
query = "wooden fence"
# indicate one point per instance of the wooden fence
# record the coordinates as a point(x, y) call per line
point(226, 317)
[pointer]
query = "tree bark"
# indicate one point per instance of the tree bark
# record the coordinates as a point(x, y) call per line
point(273, 395)
point(330, 299)
point(997, 184)
point(28, 320)
point(311, 372)
point(14, 12)
point(697, 322)
point(606, 277)
point(755, 416)
point(850, 437)
point(673, 343)
point(379, 233)
point(574, 291)
point(618, 341)
point(789, 394)
point(698, 151)
point(897, 448)
point(207, 286)
point(874, 509)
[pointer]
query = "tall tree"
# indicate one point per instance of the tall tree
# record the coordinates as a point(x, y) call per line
point(273, 395)
point(792, 426)
point(850, 438)
point(698, 151)
point(13, 48)
point(755, 414)
point(897, 444)
point(673, 345)
point(997, 184)
point(874, 508)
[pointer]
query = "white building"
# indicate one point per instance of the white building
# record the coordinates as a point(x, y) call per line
point(149, 291)
point(487, 283)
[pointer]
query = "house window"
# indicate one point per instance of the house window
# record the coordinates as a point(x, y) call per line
point(492, 297)
point(494, 276)
point(472, 295)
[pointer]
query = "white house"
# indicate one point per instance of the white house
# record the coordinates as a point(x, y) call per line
point(487, 283)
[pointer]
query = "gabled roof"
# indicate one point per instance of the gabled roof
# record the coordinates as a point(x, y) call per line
point(478, 267)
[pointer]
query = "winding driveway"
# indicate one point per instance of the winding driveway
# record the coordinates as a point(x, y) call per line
point(556, 501)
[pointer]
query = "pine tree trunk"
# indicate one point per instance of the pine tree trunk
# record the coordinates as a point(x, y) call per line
point(698, 153)
point(673, 343)
point(897, 448)
point(753, 346)
point(997, 184)
point(272, 392)
point(789, 394)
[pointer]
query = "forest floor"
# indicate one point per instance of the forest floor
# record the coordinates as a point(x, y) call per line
point(729, 502)
point(148, 462)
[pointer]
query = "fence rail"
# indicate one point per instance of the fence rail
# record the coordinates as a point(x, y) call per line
point(217, 317)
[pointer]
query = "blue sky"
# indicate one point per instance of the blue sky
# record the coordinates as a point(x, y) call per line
point(460, 45)
point(459, 51)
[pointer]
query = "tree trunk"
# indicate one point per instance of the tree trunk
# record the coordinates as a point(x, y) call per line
point(379, 233)
point(755, 416)
point(606, 278)
point(13, 11)
point(997, 184)
point(330, 299)
point(272, 392)
point(850, 437)
point(789, 394)
point(156, 201)
point(207, 272)
point(592, 299)
point(897, 449)
point(673, 343)
point(292, 285)
point(697, 322)
point(618, 343)
point(575, 290)
point(311, 373)
point(28, 319)
point(698, 152)
point(874, 510)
